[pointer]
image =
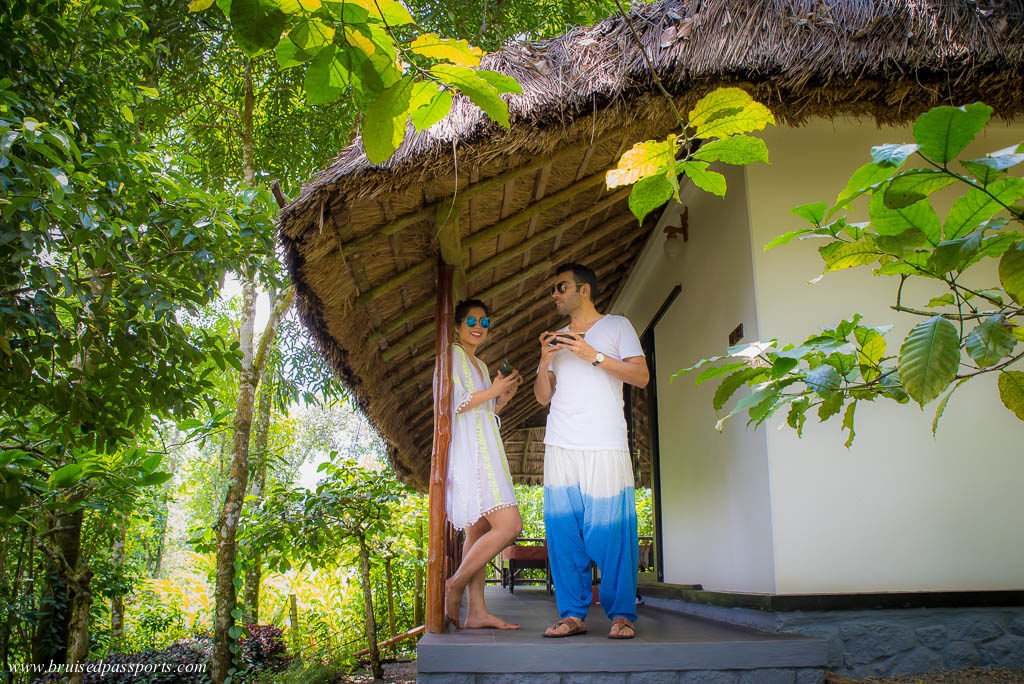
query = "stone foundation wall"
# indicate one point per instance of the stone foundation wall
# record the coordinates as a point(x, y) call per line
point(890, 642)
point(757, 676)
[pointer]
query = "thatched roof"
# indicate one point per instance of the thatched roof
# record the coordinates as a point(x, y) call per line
point(361, 240)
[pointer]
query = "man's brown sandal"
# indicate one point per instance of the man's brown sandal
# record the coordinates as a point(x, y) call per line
point(618, 625)
point(575, 625)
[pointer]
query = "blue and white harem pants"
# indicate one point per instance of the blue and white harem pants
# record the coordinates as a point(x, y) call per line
point(590, 515)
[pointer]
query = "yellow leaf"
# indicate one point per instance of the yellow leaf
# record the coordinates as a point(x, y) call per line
point(357, 39)
point(1018, 332)
point(199, 5)
point(727, 111)
point(296, 6)
point(5, 346)
point(456, 51)
point(642, 160)
point(390, 11)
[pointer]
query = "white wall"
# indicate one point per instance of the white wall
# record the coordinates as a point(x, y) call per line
point(715, 496)
point(899, 511)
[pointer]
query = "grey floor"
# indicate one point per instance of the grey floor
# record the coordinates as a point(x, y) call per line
point(665, 641)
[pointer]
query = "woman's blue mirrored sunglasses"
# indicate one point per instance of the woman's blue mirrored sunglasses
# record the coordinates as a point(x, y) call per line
point(484, 322)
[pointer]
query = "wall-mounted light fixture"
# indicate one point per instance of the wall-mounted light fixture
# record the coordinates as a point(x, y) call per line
point(673, 246)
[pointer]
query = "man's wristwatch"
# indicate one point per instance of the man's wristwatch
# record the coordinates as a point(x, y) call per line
point(599, 359)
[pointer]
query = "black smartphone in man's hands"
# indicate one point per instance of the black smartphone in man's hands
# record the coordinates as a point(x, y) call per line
point(561, 337)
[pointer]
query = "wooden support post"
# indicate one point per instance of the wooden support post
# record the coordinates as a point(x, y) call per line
point(439, 457)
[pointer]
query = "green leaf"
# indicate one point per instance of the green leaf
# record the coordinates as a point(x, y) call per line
point(953, 255)
point(710, 181)
point(840, 255)
point(257, 24)
point(978, 205)
point(929, 359)
point(327, 76)
point(480, 92)
point(727, 111)
point(738, 150)
point(798, 415)
point(392, 12)
point(154, 479)
point(782, 365)
point(65, 476)
point(862, 180)
point(759, 402)
point(944, 300)
point(919, 215)
point(647, 158)
point(502, 83)
point(384, 124)
point(199, 5)
point(813, 212)
point(1011, 272)
point(432, 112)
point(650, 193)
point(311, 34)
point(151, 463)
point(848, 423)
point(942, 405)
point(785, 238)
point(456, 51)
point(990, 342)
point(892, 388)
point(719, 371)
point(943, 132)
point(892, 154)
point(1011, 391)
point(732, 383)
point(825, 380)
point(870, 353)
point(913, 186)
point(832, 405)
point(289, 55)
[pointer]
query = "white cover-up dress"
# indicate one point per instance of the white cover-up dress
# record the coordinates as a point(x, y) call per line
point(479, 481)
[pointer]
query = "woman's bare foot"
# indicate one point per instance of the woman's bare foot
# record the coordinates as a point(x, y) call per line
point(486, 621)
point(452, 604)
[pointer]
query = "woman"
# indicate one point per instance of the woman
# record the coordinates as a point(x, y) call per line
point(480, 498)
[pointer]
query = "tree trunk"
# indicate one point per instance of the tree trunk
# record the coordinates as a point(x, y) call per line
point(417, 611)
point(79, 650)
point(117, 603)
point(51, 639)
point(12, 591)
point(371, 623)
point(259, 484)
point(391, 602)
point(227, 524)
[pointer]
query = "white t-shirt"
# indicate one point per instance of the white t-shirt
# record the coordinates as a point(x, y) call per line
point(586, 409)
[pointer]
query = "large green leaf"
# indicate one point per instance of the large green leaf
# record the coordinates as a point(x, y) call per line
point(1011, 272)
point(738, 149)
point(257, 24)
point(384, 124)
point(728, 111)
point(326, 77)
point(732, 383)
point(429, 114)
point(929, 358)
point(943, 132)
point(918, 215)
point(954, 255)
point(719, 371)
point(648, 194)
point(913, 186)
point(1011, 391)
point(990, 342)
point(814, 212)
point(862, 180)
point(502, 83)
point(483, 94)
point(824, 380)
point(892, 154)
point(311, 34)
point(979, 205)
point(65, 476)
point(697, 171)
point(840, 255)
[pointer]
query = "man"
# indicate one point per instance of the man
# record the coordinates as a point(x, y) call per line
point(589, 509)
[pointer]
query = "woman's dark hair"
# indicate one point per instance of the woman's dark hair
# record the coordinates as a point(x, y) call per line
point(463, 307)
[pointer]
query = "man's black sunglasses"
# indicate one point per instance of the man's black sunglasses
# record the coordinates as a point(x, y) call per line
point(562, 287)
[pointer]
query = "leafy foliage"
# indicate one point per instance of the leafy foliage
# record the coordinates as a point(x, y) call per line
point(714, 132)
point(979, 328)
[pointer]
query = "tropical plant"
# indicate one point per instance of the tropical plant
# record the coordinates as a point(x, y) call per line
point(970, 330)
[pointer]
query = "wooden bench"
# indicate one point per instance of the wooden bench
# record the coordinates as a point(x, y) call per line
point(525, 553)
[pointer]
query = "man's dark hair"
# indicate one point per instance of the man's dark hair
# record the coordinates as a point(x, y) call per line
point(582, 275)
point(463, 307)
